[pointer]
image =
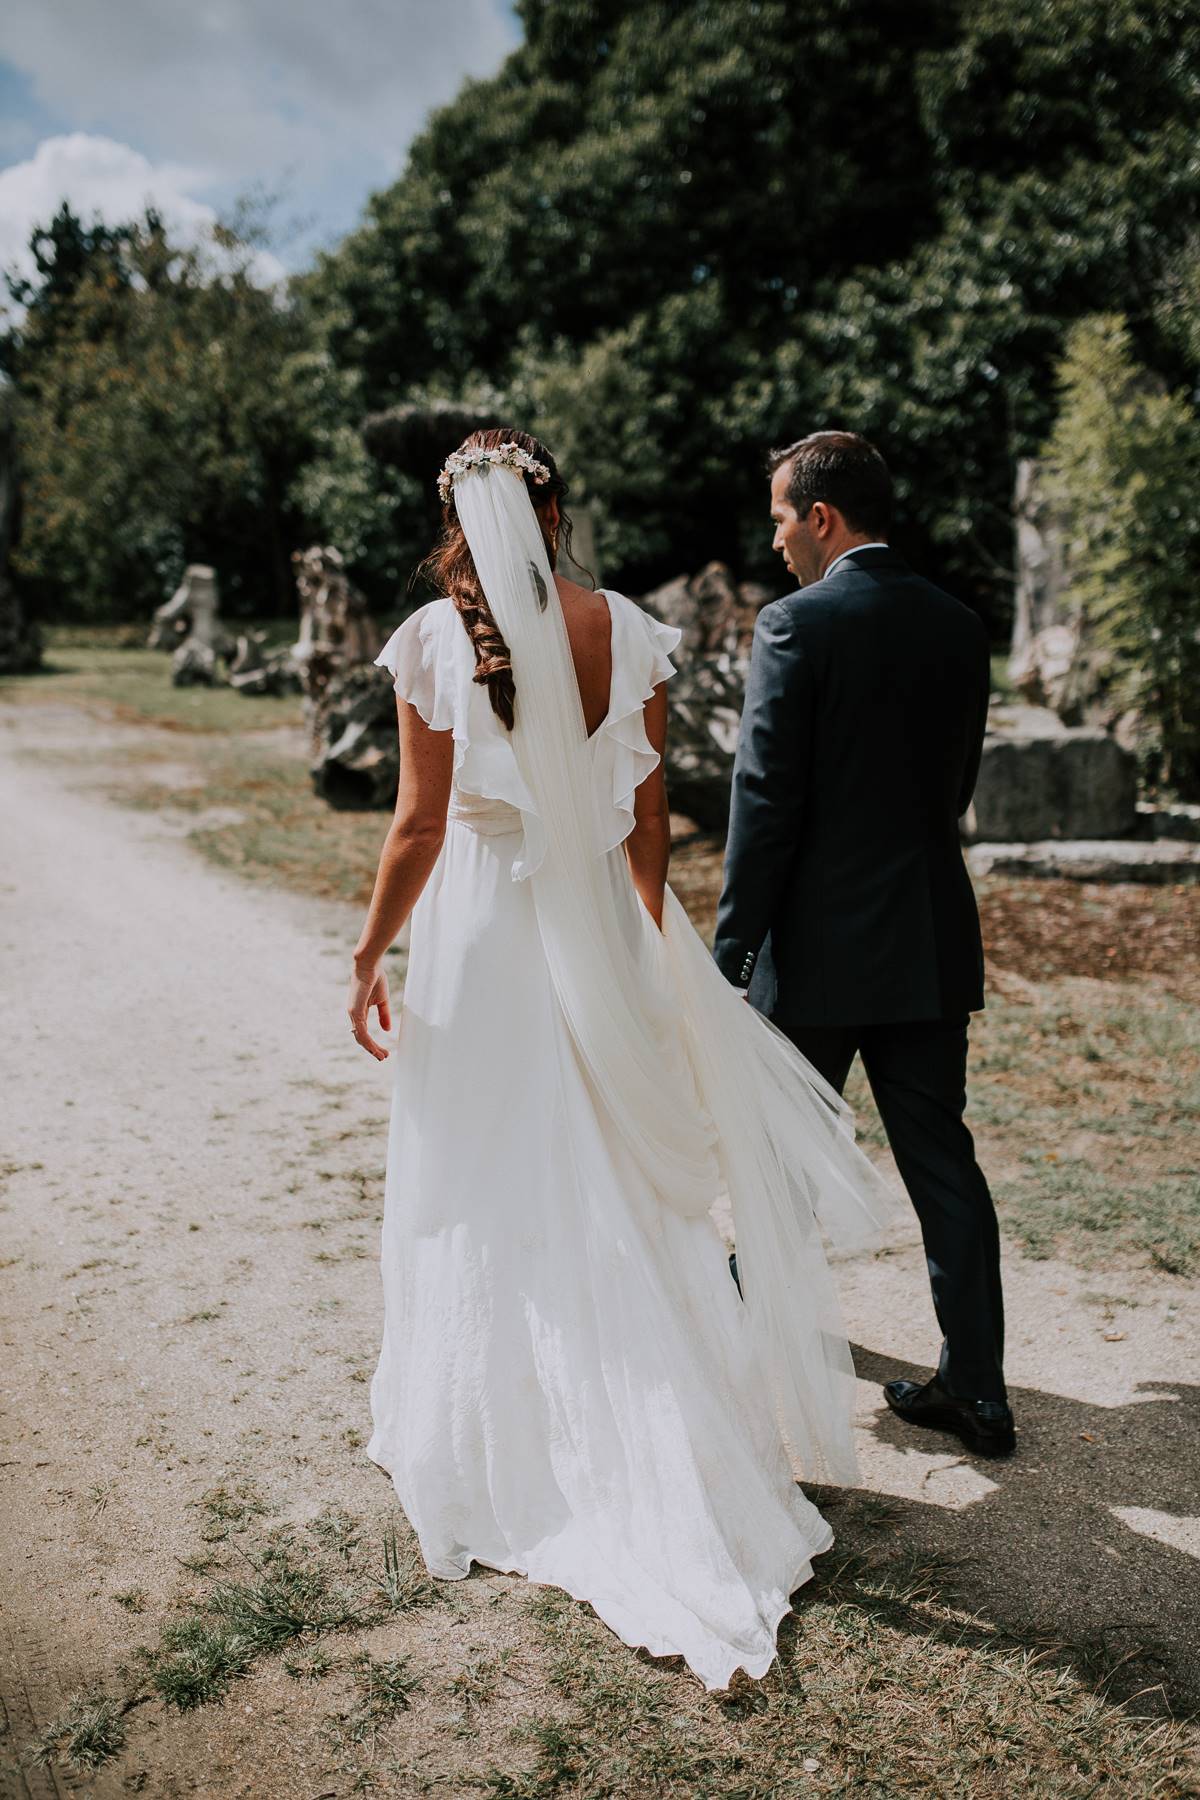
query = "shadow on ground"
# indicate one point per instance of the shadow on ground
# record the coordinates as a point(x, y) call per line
point(1046, 1555)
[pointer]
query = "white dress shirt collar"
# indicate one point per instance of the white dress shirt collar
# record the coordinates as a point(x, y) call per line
point(853, 548)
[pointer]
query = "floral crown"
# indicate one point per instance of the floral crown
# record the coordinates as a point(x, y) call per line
point(507, 456)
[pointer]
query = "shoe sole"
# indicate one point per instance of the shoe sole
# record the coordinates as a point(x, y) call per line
point(979, 1446)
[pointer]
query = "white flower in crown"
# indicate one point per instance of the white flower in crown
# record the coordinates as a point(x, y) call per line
point(505, 456)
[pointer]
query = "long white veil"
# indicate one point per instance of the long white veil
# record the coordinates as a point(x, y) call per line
point(710, 1100)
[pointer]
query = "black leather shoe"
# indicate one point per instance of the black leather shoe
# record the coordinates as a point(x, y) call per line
point(985, 1426)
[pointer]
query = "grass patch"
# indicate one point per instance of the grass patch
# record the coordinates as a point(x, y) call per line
point(288, 1596)
point(311, 1664)
point(1089, 1109)
point(133, 684)
point(88, 1732)
point(882, 1687)
point(477, 1684)
point(195, 1661)
point(292, 1594)
point(383, 1689)
point(271, 826)
point(1103, 1218)
point(226, 1510)
point(338, 1531)
point(404, 1582)
point(300, 1588)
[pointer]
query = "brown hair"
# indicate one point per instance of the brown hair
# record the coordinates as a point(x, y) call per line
point(844, 470)
point(450, 568)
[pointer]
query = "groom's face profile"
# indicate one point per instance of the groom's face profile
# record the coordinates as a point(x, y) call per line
point(803, 542)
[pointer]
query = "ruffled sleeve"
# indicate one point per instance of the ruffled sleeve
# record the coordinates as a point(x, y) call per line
point(418, 674)
point(432, 663)
point(641, 658)
point(663, 640)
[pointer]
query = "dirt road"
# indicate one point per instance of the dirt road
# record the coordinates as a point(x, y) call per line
point(192, 1159)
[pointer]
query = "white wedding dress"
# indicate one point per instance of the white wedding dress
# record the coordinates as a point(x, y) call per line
point(569, 1384)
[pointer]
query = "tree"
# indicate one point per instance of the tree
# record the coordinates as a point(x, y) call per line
point(164, 408)
point(677, 174)
point(65, 254)
point(666, 237)
point(1124, 464)
point(674, 235)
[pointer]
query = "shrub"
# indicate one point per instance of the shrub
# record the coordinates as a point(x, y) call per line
point(1124, 463)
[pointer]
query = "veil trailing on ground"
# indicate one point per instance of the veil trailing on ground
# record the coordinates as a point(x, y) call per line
point(709, 1099)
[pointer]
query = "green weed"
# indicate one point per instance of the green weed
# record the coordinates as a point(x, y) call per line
point(89, 1731)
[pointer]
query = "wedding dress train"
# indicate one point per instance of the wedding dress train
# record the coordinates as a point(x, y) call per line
point(569, 1385)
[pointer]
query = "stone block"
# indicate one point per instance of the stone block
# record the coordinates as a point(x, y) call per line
point(1065, 783)
point(1172, 819)
point(1163, 862)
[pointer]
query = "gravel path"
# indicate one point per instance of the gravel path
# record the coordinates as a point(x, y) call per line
point(192, 1156)
point(188, 1127)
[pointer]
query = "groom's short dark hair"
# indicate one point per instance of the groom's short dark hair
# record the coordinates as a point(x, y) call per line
point(843, 470)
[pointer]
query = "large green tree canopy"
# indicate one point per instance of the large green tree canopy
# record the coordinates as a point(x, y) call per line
point(670, 235)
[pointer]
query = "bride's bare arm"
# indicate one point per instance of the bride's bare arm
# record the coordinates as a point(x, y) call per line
point(648, 846)
point(406, 861)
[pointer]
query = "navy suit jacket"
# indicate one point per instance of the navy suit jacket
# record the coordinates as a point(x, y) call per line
point(846, 900)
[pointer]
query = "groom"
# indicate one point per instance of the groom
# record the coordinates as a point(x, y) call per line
point(846, 911)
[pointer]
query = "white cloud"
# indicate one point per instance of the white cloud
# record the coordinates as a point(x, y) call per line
point(107, 181)
point(256, 88)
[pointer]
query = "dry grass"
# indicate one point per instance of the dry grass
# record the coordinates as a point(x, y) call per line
point(133, 684)
point(1100, 1081)
point(881, 1688)
point(883, 1685)
point(268, 824)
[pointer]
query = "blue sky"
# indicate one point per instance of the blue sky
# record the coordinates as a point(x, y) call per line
point(192, 102)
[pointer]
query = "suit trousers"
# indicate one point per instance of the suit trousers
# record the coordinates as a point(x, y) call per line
point(918, 1076)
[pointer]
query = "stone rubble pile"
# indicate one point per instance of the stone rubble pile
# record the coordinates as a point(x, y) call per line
point(204, 652)
point(348, 704)
point(716, 616)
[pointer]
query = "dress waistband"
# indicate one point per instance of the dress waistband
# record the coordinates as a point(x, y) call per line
point(491, 818)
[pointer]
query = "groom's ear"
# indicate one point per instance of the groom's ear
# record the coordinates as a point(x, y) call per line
point(824, 519)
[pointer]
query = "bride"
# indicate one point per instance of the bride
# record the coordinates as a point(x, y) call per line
point(570, 1386)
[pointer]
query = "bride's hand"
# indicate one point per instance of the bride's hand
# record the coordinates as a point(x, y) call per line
point(366, 991)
